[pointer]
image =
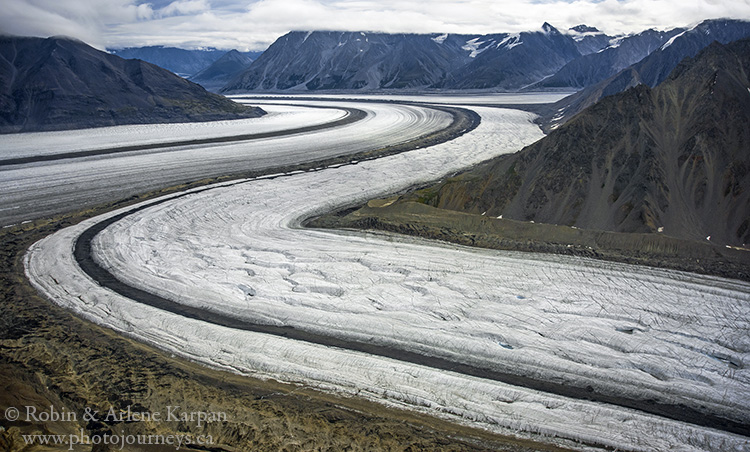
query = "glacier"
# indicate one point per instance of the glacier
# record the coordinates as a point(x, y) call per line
point(239, 249)
point(38, 189)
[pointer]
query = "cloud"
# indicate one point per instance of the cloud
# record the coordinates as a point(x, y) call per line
point(184, 7)
point(255, 24)
point(87, 20)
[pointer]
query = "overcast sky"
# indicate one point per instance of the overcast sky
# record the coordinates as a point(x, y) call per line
point(255, 24)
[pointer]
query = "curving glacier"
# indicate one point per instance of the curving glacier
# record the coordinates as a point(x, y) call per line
point(238, 249)
point(48, 188)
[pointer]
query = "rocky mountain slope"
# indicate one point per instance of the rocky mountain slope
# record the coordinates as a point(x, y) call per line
point(349, 60)
point(357, 60)
point(59, 83)
point(588, 39)
point(581, 57)
point(182, 62)
point(618, 54)
point(673, 160)
point(222, 70)
point(514, 61)
point(654, 68)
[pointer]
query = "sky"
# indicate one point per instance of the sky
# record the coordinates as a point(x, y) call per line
point(255, 24)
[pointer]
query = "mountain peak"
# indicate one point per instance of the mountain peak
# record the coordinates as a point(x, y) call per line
point(356, 61)
point(65, 38)
point(585, 29)
point(610, 168)
point(222, 70)
point(547, 28)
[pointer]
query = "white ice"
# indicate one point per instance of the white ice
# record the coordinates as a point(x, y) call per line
point(474, 47)
point(451, 98)
point(511, 41)
point(440, 39)
point(672, 40)
point(285, 117)
point(238, 249)
point(47, 188)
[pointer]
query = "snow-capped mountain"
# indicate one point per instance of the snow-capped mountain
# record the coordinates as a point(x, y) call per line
point(671, 159)
point(658, 65)
point(547, 58)
point(588, 39)
point(617, 54)
point(512, 61)
point(358, 60)
point(654, 68)
point(353, 60)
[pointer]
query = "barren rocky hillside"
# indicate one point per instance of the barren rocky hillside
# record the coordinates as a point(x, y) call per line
point(674, 160)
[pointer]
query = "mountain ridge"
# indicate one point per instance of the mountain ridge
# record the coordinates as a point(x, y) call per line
point(58, 83)
point(652, 69)
point(319, 60)
point(581, 57)
point(183, 62)
point(186, 63)
point(222, 70)
point(672, 160)
point(595, 67)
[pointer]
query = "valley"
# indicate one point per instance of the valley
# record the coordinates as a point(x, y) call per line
point(237, 249)
point(49, 187)
point(370, 240)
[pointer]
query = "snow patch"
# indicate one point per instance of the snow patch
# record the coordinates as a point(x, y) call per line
point(440, 39)
point(671, 40)
point(614, 42)
point(473, 46)
point(511, 41)
point(579, 36)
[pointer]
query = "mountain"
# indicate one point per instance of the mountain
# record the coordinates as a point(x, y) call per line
point(180, 61)
point(674, 160)
point(61, 83)
point(654, 68)
point(222, 70)
point(356, 60)
point(589, 39)
point(581, 57)
point(618, 54)
point(511, 62)
point(351, 60)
